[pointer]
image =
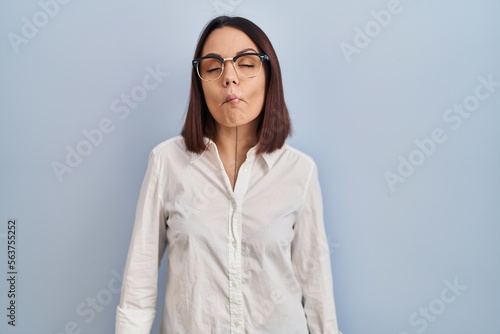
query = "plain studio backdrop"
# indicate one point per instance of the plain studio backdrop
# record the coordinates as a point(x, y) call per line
point(397, 101)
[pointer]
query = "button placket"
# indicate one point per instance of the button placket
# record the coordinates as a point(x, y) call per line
point(235, 291)
point(236, 305)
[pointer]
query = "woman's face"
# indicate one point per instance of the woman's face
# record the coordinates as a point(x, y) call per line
point(233, 101)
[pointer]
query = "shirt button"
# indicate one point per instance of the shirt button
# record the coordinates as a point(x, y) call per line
point(245, 169)
point(237, 323)
point(235, 284)
point(234, 244)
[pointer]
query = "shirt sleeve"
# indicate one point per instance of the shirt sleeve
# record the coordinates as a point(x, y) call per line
point(136, 312)
point(311, 261)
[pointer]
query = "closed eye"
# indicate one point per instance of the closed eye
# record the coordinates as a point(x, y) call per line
point(213, 69)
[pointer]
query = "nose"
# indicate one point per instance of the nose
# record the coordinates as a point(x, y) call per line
point(229, 75)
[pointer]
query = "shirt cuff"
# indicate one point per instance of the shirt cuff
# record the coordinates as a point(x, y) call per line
point(129, 321)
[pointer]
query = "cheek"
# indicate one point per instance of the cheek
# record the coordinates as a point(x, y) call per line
point(263, 84)
point(256, 88)
point(210, 95)
point(260, 93)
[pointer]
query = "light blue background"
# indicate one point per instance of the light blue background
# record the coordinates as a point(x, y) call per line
point(392, 251)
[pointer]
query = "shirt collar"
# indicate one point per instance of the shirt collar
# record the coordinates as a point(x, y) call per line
point(195, 156)
point(269, 158)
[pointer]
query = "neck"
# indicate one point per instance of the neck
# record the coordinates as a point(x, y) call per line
point(236, 139)
point(233, 144)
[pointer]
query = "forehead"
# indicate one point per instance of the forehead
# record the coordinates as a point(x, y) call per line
point(227, 41)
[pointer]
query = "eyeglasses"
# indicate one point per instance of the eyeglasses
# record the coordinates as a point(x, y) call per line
point(247, 65)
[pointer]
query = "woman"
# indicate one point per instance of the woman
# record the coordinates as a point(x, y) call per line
point(240, 211)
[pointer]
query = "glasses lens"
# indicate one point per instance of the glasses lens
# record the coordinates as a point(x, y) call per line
point(210, 68)
point(248, 66)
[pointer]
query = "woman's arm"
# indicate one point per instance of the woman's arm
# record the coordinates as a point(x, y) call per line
point(311, 261)
point(137, 308)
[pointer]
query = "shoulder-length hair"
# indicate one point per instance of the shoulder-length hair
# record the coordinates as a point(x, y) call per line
point(274, 124)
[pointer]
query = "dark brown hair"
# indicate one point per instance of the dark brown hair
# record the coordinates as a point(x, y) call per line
point(274, 124)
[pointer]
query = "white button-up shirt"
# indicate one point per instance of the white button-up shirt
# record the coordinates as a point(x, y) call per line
point(250, 260)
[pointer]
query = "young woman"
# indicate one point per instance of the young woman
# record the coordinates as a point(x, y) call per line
point(239, 210)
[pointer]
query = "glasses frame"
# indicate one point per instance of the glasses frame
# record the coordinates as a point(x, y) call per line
point(196, 62)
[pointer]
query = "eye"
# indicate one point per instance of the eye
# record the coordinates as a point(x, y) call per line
point(210, 65)
point(213, 69)
point(248, 61)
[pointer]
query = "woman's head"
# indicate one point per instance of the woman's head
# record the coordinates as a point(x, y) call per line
point(242, 94)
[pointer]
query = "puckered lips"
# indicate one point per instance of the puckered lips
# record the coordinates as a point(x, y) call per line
point(232, 98)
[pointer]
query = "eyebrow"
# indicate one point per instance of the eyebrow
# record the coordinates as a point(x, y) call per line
point(237, 53)
point(245, 50)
